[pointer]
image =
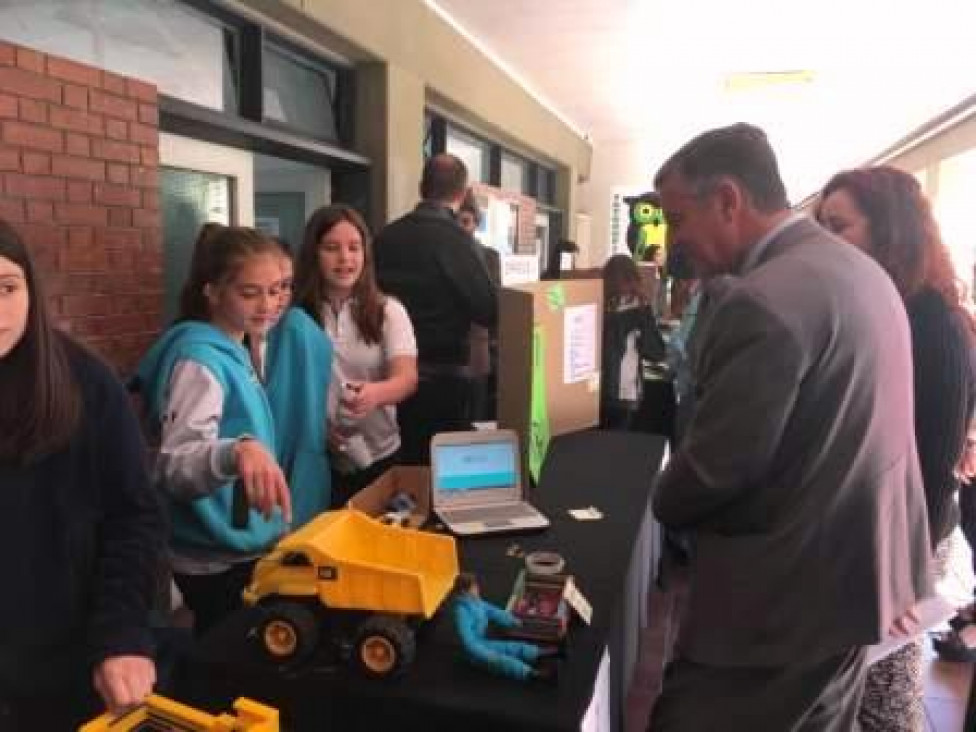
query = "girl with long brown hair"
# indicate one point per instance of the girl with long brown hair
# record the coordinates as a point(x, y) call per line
point(82, 530)
point(375, 352)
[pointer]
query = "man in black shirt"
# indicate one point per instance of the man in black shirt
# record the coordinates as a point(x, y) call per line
point(427, 261)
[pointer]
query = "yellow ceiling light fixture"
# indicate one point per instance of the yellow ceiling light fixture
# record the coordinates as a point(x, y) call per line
point(750, 80)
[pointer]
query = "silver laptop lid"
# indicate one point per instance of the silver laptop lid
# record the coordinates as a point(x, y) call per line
point(475, 468)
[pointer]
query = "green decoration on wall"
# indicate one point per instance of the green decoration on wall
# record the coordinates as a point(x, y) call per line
point(556, 297)
point(539, 411)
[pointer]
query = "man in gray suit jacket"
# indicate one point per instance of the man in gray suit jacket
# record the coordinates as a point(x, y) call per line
point(798, 473)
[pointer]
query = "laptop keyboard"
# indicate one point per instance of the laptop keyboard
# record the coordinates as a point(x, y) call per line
point(490, 513)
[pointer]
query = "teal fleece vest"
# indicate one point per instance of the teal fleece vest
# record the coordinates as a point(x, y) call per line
point(205, 523)
point(299, 369)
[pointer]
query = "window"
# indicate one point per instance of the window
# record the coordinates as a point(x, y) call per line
point(545, 187)
point(295, 559)
point(299, 93)
point(187, 54)
point(472, 150)
point(515, 174)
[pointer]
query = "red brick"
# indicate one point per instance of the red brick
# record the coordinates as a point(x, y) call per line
point(11, 210)
point(123, 152)
point(8, 54)
point(75, 144)
point(9, 158)
point(145, 177)
point(33, 111)
point(79, 191)
point(87, 305)
point(37, 163)
point(62, 68)
point(75, 97)
point(150, 156)
point(120, 217)
point(112, 106)
point(118, 173)
point(32, 136)
point(150, 200)
point(113, 195)
point(34, 186)
point(114, 238)
point(26, 84)
point(144, 134)
point(76, 120)
point(30, 60)
point(113, 83)
point(149, 114)
point(141, 90)
point(80, 237)
point(40, 211)
point(79, 168)
point(146, 218)
point(77, 213)
point(8, 106)
point(116, 129)
point(86, 260)
point(44, 235)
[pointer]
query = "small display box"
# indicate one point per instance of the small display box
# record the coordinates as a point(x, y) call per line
point(539, 602)
point(401, 496)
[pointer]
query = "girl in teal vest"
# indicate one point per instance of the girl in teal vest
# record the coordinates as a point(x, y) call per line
point(217, 444)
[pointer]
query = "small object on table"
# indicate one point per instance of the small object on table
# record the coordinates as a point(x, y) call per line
point(516, 551)
point(514, 659)
point(544, 563)
point(538, 603)
point(590, 513)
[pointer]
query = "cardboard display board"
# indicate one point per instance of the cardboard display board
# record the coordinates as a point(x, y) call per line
point(559, 324)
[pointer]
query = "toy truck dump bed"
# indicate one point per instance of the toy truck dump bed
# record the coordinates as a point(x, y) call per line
point(159, 714)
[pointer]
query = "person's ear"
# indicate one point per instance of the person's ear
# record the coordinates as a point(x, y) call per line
point(210, 294)
point(730, 199)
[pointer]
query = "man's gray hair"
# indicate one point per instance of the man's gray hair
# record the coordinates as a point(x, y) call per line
point(740, 151)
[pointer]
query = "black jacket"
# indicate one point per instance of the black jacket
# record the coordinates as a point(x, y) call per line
point(82, 535)
point(427, 261)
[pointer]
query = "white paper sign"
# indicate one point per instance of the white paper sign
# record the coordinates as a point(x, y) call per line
point(579, 343)
point(519, 268)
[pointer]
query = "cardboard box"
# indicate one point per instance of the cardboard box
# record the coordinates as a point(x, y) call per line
point(572, 388)
point(374, 499)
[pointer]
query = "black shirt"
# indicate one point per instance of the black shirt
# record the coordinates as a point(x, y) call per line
point(81, 534)
point(427, 261)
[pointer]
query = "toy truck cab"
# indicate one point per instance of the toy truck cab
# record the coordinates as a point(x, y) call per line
point(344, 563)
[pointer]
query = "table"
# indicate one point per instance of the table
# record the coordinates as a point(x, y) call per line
point(613, 560)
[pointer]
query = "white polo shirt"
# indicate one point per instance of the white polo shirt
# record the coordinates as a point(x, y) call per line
point(355, 361)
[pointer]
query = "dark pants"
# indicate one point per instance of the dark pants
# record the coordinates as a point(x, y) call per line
point(58, 711)
point(823, 696)
point(440, 404)
point(212, 597)
point(967, 510)
point(346, 485)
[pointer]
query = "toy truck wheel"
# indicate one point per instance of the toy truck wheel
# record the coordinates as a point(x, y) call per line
point(289, 632)
point(384, 646)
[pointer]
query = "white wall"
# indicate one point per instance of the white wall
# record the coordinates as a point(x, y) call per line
point(615, 163)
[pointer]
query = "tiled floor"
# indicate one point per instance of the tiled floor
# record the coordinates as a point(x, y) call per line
point(946, 684)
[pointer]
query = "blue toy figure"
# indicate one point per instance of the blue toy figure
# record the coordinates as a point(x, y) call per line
point(513, 659)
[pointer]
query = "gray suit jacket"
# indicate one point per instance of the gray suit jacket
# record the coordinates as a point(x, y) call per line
point(798, 473)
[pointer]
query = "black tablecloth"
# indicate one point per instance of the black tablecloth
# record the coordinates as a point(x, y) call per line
point(610, 559)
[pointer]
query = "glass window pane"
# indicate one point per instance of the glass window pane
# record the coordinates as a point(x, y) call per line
point(514, 173)
point(189, 199)
point(472, 151)
point(186, 54)
point(299, 94)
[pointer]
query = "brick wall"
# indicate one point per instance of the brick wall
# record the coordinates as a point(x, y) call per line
point(525, 238)
point(79, 158)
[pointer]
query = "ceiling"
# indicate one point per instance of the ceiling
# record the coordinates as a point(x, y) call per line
point(656, 73)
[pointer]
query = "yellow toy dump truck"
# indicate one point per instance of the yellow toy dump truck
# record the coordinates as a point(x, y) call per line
point(363, 583)
point(160, 714)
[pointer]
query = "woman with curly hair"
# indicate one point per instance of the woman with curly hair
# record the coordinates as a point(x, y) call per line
point(883, 212)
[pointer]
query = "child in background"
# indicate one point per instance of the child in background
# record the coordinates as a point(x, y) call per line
point(216, 424)
point(375, 365)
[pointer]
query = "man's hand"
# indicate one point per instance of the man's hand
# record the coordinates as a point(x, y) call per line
point(905, 625)
point(124, 681)
point(262, 478)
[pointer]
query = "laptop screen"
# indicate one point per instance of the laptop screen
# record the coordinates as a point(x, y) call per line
point(463, 469)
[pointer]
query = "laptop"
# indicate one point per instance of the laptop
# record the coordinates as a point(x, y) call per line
point(476, 485)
